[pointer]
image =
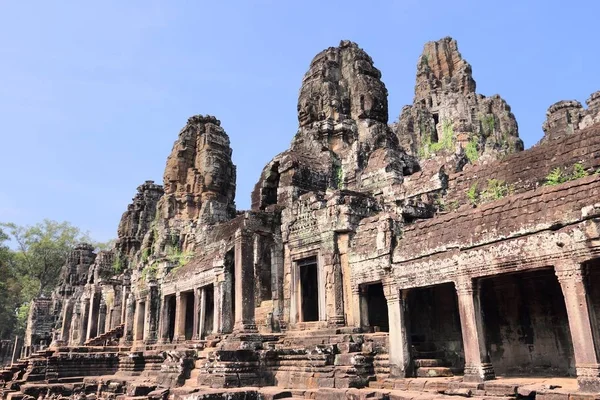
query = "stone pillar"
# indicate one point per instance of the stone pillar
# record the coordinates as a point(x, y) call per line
point(195, 335)
point(100, 329)
point(244, 282)
point(336, 291)
point(17, 349)
point(124, 297)
point(164, 322)
point(138, 328)
point(277, 282)
point(477, 365)
point(201, 312)
point(66, 322)
point(571, 276)
point(85, 316)
point(218, 304)
point(180, 306)
point(356, 307)
point(129, 314)
point(153, 305)
point(399, 337)
point(363, 307)
point(92, 317)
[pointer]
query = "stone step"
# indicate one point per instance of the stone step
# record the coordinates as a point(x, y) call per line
point(429, 362)
point(431, 372)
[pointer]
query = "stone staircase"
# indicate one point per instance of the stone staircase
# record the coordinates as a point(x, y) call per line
point(429, 361)
point(109, 338)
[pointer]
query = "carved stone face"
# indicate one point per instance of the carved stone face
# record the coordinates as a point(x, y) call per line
point(342, 83)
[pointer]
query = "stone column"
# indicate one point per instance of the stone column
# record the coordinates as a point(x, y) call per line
point(571, 278)
point(66, 322)
point(244, 282)
point(181, 304)
point(477, 365)
point(336, 291)
point(152, 311)
point(202, 312)
point(129, 314)
point(92, 322)
point(399, 337)
point(219, 308)
point(164, 322)
point(356, 307)
point(138, 318)
point(363, 307)
point(195, 335)
point(85, 316)
point(124, 296)
point(100, 329)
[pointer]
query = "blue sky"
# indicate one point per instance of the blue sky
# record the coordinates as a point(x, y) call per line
point(93, 94)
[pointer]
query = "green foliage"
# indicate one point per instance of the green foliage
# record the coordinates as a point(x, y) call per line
point(145, 255)
point(117, 265)
point(471, 150)
point(473, 194)
point(149, 272)
point(488, 123)
point(43, 249)
point(338, 175)
point(578, 171)
point(495, 189)
point(31, 268)
point(555, 177)
point(558, 176)
point(425, 60)
point(446, 141)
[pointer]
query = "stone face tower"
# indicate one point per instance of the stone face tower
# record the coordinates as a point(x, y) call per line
point(199, 178)
point(447, 115)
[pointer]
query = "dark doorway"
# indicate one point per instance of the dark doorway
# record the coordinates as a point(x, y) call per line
point(171, 308)
point(377, 308)
point(435, 329)
point(189, 315)
point(526, 325)
point(434, 134)
point(309, 289)
point(270, 186)
point(209, 310)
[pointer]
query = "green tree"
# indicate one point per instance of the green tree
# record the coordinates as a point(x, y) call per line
point(42, 250)
point(10, 289)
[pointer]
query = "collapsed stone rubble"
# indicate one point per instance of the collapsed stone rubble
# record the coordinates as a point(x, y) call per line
point(432, 254)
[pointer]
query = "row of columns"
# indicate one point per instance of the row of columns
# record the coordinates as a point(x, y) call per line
point(477, 364)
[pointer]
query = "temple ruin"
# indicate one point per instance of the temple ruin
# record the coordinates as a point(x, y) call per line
point(431, 255)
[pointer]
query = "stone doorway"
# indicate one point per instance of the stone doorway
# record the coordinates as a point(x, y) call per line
point(309, 289)
point(171, 307)
point(188, 313)
point(526, 325)
point(435, 331)
point(374, 309)
point(209, 311)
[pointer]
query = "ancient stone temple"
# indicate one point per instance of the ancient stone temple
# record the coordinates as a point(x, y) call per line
point(387, 261)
